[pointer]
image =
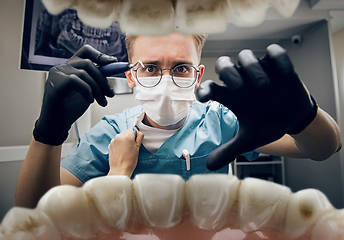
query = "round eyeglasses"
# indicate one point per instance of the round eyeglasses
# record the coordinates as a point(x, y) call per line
point(183, 75)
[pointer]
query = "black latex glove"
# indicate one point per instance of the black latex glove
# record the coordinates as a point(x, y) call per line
point(69, 90)
point(267, 97)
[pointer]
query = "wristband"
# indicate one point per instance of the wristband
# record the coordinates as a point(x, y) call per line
point(53, 142)
point(306, 121)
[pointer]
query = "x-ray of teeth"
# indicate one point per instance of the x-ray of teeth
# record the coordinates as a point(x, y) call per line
point(63, 34)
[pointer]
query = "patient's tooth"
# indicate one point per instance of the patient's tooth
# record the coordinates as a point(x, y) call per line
point(160, 199)
point(305, 207)
point(202, 16)
point(68, 207)
point(149, 17)
point(285, 7)
point(57, 6)
point(262, 205)
point(330, 226)
point(210, 199)
point(247, 13)
point(28, 224)
point(99, 14)
point(112, 198)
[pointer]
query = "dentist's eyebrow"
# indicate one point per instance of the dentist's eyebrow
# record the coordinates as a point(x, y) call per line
point(174, 64)
point(182, 62)
point(151, 62)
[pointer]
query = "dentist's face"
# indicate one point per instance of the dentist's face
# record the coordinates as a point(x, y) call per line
point(166, 52)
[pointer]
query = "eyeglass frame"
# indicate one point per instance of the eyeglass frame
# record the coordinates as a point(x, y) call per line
point(171, 69)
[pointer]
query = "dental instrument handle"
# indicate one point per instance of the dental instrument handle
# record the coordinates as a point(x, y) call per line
point(135, 132)
point(186, 155)
point(115, 68)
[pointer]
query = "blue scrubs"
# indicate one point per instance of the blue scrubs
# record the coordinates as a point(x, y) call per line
point(208, 126)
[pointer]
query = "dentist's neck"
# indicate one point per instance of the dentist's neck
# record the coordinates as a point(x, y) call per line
point(149, 122)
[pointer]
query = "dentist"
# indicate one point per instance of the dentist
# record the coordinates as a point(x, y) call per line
point(152, 137)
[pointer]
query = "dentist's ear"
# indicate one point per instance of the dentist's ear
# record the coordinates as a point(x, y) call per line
point(200, 75)
point(130, 78)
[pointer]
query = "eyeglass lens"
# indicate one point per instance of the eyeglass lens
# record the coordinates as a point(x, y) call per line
point(183, 75)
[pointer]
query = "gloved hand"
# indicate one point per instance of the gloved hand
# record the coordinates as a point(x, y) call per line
point(265, 94)
point(69, 90)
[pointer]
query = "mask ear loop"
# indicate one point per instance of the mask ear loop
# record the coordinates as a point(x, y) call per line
point(138, 62)
point(133, 65)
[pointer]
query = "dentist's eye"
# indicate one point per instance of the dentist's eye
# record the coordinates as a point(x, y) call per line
point(185, 70)
point(149, 70)
point(182, 69)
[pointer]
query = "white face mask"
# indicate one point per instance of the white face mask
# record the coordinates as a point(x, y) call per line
point(166, 104)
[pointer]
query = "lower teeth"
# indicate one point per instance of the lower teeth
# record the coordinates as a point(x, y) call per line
point(168, 207)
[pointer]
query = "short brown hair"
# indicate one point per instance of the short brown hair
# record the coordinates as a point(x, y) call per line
point(199, 43)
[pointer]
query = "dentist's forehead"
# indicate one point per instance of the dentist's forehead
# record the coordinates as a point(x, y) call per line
point(174, 47)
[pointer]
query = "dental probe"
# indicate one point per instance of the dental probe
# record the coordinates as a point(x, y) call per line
point(117, 68)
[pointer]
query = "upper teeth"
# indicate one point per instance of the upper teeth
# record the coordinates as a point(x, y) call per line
point(159, 17)
point(210, 202)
